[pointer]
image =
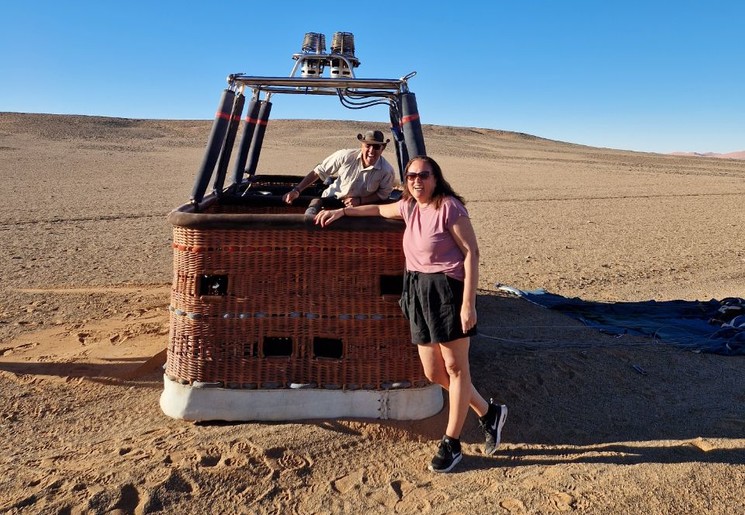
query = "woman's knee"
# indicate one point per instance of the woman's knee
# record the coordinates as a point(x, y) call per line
point(453, 369)
point(455, 358)
point(437, 375)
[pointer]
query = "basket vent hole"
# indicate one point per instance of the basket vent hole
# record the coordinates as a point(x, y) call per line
point(277, 346)
point(213, 285)
point(328, 348)
point(391, 284)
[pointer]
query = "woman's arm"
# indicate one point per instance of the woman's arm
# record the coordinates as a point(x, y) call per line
point(465, 237)
point(325, 217)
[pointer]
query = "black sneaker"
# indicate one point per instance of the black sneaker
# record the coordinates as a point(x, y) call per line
point(447, 457)
point(492, 424)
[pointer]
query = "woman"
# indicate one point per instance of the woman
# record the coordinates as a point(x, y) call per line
point(439, 297)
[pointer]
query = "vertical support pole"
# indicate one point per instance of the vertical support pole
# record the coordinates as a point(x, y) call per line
point(227, 146)
point(214, 144)
point(412, 126)
point(249, 125)
point(402, 157)
point(258, 137)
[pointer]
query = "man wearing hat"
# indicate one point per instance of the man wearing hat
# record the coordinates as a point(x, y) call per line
point(358, 176)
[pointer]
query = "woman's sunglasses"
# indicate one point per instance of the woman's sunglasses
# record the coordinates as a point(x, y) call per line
point(423, 176)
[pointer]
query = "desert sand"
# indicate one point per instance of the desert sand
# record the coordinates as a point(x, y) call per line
point(597, 424)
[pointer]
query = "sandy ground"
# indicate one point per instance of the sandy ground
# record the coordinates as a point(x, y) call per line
point(86, 272)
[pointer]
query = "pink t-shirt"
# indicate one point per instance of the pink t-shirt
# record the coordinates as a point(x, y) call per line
point(429, 245)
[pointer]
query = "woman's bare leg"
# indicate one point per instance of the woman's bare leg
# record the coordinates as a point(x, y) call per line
point(447, 364)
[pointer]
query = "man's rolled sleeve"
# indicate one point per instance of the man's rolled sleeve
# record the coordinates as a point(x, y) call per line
point(386, 185)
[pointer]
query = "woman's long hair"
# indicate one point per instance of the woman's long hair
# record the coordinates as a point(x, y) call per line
point(442, 187)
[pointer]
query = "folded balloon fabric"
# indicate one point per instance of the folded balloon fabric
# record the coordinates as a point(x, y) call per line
point(713, 326)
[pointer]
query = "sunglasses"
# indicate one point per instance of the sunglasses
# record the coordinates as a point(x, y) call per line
point(374, 146)
point(423, 176)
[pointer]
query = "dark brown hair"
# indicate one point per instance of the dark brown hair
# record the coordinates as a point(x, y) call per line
point(442, 187)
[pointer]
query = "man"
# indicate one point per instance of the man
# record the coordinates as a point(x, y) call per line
point(360, 176)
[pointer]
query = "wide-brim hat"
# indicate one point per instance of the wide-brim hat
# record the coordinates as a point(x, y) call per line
point(373, 137)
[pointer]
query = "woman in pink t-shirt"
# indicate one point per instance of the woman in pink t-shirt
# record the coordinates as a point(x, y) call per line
point(439, 297)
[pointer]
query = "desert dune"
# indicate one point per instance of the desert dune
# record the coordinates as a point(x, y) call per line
point(598, 424)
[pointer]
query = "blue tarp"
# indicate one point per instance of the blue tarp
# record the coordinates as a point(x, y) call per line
point(714, 326)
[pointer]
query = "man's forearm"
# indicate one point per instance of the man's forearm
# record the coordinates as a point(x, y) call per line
point(307, 181)
point(372, 198)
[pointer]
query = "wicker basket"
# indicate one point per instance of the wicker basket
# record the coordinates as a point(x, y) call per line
point(264, 299)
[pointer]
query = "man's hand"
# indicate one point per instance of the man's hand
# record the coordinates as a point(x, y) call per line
point(291, 195)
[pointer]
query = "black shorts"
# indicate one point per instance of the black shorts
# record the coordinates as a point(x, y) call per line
point(431, 303)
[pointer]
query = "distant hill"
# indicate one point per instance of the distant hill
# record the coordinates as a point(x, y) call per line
point(308, 133)
point(729, 155)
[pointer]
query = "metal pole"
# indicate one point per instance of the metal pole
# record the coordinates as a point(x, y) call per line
point(214, 143)
point(258, 137)
point(227, 146)
point(412, 126)
point(249, 125)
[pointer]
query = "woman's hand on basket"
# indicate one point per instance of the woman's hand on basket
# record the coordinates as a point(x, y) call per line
point(325, 217)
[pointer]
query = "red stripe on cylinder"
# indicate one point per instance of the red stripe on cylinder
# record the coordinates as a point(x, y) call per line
point(410, 118)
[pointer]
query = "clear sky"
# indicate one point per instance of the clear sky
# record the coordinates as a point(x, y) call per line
point(645, 75)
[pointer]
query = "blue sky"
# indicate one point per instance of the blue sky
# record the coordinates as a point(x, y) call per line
point(656, 76)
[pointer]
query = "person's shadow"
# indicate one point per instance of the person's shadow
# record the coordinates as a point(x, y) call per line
point(595, 397)
point(578, 395)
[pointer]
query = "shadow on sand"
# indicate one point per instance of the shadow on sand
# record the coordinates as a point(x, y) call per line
point(569, 385)
point(574, 393)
